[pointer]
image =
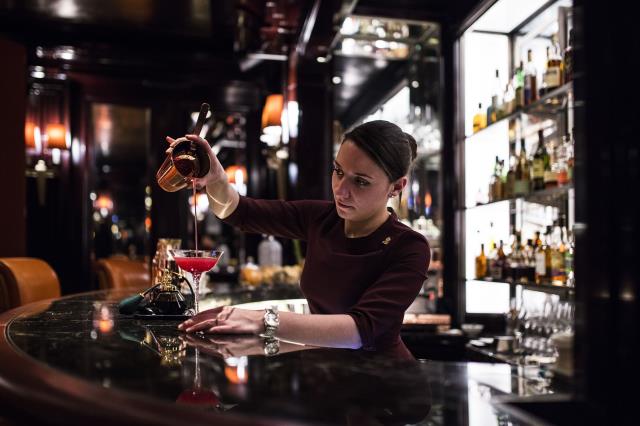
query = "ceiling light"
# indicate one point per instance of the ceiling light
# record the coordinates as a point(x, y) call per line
point(336, 79)
point(321, 59)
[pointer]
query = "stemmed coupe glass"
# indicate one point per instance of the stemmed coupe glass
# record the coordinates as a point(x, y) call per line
point(196, 262)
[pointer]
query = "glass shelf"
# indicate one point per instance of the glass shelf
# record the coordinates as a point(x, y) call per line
point(562, 291)
point(549, 197)
point(549, 104)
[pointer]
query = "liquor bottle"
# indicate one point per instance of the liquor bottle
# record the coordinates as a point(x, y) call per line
point(552, 78)
point(558, 274)
point(492, 111)
point(547, 255)
point(530, 261)
point(568, 59)
point(481, 264)
point(537, 242)
point(539, 164)
point(541, 262)
point(530, 80)
point(568, 260)
point(570, 159)
point(479, 120)
point(518, 261)
point(560, 165)
point(522, 175)
point(496, 264)
point(510, 180)
point(518, 84)
point(508, 100)
point(492, 259)
point(550, 173)
point(495, 184)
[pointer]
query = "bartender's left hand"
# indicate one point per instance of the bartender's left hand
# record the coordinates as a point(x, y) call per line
point(225, 320)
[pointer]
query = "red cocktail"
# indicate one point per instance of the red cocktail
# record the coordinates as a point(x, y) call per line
point(196, 262)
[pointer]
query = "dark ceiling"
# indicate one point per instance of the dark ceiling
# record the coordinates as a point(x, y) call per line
point(222, 39)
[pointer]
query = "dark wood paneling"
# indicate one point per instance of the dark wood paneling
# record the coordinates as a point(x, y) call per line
point(607, 174)
point(314, 146)
point(13, 87)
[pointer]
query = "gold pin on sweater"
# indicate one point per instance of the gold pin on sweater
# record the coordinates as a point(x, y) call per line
point(386, 241)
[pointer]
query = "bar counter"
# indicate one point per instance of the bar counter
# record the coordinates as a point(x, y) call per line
point(63, 361)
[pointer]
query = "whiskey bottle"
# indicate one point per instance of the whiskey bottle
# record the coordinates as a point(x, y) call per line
point(522, 176)
point(481, 264)
point(479, 120)
point(541, 262)
point(558, 273)
point(518, 84)
point(530, 80)
point(568, 59)
point(539, 164)
point(553, 73)
point(495, 184)
point(492, 111)
point(510, 180)
point(496, 265)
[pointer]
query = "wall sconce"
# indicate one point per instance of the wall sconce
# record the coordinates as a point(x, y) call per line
point(56, 136)
point(32, 137)
point(272, 112)
point(104, 205)
point(237, 176)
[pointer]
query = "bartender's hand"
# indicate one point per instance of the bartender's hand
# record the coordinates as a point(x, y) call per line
point(216, 171)
point(226, 346)
point(225, 320)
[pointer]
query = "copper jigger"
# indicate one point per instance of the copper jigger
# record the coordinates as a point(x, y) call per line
point(186, 161)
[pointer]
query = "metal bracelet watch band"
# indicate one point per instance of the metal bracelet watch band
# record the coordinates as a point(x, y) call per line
point(271, 321)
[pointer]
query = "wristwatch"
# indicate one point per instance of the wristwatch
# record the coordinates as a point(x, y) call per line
point(271, 321)
point(271, 346)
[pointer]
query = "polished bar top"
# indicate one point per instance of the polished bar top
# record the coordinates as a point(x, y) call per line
point(76, 357)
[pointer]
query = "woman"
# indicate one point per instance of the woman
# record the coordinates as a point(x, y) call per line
point(363, 267)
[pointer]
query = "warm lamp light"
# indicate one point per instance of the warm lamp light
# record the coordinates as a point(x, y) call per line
point(56, 136)
point(272, 112)
point(104, 204)
point(236, 174)
point(31, 136)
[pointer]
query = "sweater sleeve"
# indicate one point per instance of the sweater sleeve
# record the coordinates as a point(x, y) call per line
point(286, 219)
point(382, 306)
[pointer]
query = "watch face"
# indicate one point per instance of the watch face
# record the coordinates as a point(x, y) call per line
point(271, 320)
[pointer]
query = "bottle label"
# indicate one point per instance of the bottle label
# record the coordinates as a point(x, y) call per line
point(550, 177)
point(557, 263)
point(537, 168)
point(521, 187)
point(541, 268)
point(552, 78)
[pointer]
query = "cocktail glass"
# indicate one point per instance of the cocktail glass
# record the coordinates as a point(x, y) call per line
point(196, 262)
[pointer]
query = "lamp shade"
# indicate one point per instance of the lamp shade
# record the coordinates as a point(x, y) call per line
point(272, 112)
point(56, 136)
point(31, 139)
point(236, 174)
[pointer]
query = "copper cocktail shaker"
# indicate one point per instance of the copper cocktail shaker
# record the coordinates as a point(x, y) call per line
point(186, 161)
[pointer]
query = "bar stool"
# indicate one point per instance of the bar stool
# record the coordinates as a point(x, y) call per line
point(118, 273)
point(24, 280)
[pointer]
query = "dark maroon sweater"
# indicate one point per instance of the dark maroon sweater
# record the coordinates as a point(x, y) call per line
point(373, 279)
